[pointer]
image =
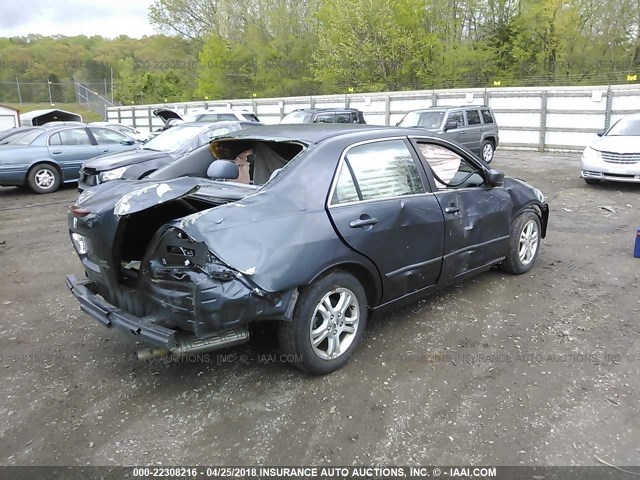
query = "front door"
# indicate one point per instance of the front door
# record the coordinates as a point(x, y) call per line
point(110, 140)
point(382, 207)
point(477, 216)
point(473, 135)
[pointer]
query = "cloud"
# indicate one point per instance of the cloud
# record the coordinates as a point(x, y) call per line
point(75, 17)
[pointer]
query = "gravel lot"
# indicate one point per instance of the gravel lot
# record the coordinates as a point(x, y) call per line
point(537, 369)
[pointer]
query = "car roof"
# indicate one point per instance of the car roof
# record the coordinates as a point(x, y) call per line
point(223, 123)
point(336, 109)
point(311, 133)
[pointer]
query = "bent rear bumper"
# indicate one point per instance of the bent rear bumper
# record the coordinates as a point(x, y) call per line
point(111, 316)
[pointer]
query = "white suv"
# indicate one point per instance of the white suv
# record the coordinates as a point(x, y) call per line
point(169, 116)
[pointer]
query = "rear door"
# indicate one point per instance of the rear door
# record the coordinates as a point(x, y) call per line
point(477, 217)
point(382, 207)
point(70, 148)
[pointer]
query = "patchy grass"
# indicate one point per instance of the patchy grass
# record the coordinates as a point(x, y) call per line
point(87, 115)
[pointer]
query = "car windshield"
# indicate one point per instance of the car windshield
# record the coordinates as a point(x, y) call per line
point(422, 119)
point(174, 138)
point(625, 127)
point(22, 138)
point(297, 117)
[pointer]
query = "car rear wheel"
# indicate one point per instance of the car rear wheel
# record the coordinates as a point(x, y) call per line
point(43, 178)
point(328, 324)
point(524, 244)
point(488, 151)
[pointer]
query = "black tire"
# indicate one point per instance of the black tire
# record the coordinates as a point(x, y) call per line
point(295, 336)
point(43, 178)
point(591, 181)
point(490, 150)
point(515, 262)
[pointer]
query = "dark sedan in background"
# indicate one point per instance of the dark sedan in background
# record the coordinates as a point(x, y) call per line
point(332, 223)
point(45, 157)
point(156, 153)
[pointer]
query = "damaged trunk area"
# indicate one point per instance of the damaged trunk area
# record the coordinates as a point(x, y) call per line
point(177, 282)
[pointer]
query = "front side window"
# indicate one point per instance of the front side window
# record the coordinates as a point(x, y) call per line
point(456, 117)
point(377, 171)
point(105, 136)
point(473, 117)
point(344, 117)
point(449, 169)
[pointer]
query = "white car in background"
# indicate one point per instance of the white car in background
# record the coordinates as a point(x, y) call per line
point(126, 129)
point(615, 156)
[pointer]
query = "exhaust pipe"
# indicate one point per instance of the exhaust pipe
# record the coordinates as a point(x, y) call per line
point(188, 346)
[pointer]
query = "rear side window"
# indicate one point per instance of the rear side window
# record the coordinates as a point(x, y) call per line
point(345, 117)
point(76, 136)
point(473, 117)
point(324, 118)
point(250, 117)
point(376, 171)
point(487, 116)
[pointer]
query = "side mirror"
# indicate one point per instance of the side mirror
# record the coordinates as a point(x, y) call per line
point(496, 177)
point(601, 133)
point(451, 125)
point(223, 170)
point(127, 142)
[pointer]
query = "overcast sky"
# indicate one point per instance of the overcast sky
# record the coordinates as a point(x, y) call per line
point(75, 17)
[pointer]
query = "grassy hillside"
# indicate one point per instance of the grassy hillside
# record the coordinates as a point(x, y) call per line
point(87, 115)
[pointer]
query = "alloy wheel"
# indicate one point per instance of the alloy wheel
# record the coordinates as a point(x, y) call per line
point(529, 240)
point(334, 323)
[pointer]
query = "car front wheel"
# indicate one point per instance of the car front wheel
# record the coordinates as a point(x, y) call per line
point(524, 244)
point(43, 178)
point(488, 151)
point(328, 324)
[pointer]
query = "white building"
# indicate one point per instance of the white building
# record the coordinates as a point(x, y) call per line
point(9, 117)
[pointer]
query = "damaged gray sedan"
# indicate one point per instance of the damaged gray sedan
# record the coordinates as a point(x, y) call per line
point(315, 226)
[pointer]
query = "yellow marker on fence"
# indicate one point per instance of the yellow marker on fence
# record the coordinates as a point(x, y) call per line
point(632, 78)
point(497, 83)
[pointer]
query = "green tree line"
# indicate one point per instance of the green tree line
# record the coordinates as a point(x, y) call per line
point(213, 49)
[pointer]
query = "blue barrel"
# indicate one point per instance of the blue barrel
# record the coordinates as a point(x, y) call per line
point(636, 250)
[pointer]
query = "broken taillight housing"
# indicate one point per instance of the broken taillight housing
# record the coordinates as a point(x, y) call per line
point(79, 211)
point(80, 243)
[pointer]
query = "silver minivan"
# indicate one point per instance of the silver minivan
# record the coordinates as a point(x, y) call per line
point(471, 126)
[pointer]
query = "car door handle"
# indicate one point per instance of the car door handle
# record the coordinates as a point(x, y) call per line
point(363, 221)
point(56, 152)
point(462, 132)
point(452, 209)
point(105, 150)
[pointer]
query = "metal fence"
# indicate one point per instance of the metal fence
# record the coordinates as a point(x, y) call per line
point(541, 118)
point(95, 96)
